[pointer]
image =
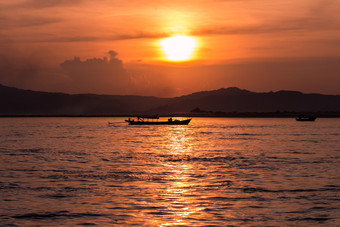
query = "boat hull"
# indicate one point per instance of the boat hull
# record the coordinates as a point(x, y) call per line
point(306, 119)
point(175, 122)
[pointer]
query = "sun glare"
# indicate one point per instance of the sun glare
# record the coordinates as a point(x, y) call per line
point(178, 48)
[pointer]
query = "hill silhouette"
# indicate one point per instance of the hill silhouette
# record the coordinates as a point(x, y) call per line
point(14, 101)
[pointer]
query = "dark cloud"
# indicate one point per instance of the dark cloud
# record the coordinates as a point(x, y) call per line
point(98, 75)
point(20, 21)
point(108, 75)
point(102, 38)
point(46, 38)
point(105, 75)
point(49, 3)
point(15, 71)
point(29, 73)
point(293, 25)
point(14, 16)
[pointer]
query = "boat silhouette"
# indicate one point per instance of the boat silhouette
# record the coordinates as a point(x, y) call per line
point(305, 118)
point(154, 121)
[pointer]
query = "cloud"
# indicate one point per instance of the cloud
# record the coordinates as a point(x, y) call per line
point(105, 75)
point(49, 3)
point(109, 75)
point(317, 16)
point(11, 22)
point(29, 72)
point(103, 37)
point(15, 15)
point(292, 25)
point(15, 71)
point(98, 75)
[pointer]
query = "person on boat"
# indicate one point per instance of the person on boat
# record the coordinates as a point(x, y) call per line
point(170, 119)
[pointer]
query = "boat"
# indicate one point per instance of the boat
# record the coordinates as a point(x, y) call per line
point(146, 121)
point(305, 118)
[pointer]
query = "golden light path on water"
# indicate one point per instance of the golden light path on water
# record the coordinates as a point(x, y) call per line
point(182, 200)
point(180, 188)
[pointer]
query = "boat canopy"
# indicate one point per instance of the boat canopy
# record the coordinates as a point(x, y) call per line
point(148, 117)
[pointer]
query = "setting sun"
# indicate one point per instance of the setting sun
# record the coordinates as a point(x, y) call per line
point(178, 48)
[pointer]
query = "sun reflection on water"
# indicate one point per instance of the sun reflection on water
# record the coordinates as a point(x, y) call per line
point(179, 140)
point(180, 188)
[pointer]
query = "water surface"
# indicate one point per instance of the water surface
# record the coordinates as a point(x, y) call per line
point(213, 172)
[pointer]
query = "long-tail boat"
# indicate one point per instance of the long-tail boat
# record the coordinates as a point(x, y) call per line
point(153, 120)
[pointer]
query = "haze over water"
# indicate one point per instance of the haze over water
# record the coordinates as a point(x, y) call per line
point(213, 172)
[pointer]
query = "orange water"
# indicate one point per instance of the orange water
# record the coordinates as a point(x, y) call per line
point(213, 172)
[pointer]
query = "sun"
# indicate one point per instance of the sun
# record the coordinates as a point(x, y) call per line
point(179, 47)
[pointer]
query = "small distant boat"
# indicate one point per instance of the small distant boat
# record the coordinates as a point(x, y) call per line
point(305, 118)
point(146, 121)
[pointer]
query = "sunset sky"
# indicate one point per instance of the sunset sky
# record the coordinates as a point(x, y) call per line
point(114, 46)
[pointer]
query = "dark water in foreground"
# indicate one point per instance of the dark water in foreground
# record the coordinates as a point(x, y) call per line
point(214, 172)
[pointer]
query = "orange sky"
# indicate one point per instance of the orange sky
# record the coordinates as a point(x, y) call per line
point(259, 45)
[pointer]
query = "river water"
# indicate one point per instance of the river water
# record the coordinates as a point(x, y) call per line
point(213, 172)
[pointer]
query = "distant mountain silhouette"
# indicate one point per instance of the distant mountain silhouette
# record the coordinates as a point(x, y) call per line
point(15, 101)
point(236, 100)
